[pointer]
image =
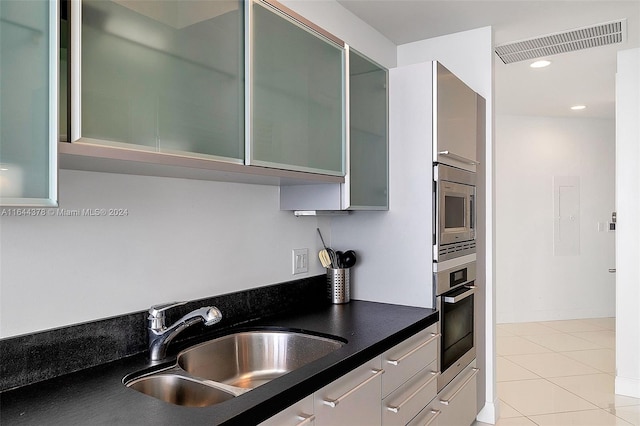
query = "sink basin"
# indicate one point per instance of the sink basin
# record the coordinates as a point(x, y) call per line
point(179, 390)
point(226, 367)
point(250, 359)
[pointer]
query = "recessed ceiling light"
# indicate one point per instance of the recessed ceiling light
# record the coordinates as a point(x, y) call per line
point(540, 64)
point(578, 107)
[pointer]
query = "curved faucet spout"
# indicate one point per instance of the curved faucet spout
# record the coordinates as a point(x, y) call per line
point(160, 335)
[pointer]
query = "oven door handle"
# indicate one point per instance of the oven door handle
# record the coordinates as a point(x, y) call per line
point(456, 299)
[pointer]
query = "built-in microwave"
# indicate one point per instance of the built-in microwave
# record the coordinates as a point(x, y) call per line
point(454, 212)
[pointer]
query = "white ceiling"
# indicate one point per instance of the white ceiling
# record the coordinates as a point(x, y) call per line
point(583, 77)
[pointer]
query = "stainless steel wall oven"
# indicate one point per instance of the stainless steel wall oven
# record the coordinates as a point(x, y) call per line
point(454, 212)
point(455, 289)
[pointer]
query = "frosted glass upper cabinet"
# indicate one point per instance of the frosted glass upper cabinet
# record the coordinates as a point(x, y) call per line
point(28, 103)
point(366, 183)
point(297, 108)
point(160, 75)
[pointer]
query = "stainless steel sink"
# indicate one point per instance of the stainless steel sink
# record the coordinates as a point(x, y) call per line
point(179, 390)
point(250, 359)
point(220, 369)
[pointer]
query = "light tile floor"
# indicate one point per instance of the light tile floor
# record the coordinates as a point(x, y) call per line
point(560, 373)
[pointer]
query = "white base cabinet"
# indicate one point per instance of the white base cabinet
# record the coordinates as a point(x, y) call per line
point(429, 416)
point(410, 380)
point(458, 401)
point(455, 405)
point(408, 400)
point(353, 399)
point(299, 414)
point(407, 358)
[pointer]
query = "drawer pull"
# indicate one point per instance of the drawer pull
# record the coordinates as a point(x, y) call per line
point(396, 408)
point(334, 402)
point(434, 336)
point(467, 380)
point(435, 415)
point(306, 419)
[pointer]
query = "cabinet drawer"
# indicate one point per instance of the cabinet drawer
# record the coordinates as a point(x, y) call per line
point(404, 403)
point(458, 399)
point(429, 416)
point(407, 358)
point(353, 399)
point(299, 414)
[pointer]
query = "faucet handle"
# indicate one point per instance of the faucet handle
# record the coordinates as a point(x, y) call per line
point(159, 310)
point(156, 314)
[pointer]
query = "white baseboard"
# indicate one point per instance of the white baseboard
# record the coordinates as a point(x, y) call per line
point(628, 387)
point(490, 413)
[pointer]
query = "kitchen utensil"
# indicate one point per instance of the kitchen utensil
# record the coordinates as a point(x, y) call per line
point(333, 257)
point(325, 260)
point(339, 259)
point(326, 255)
point(321, 239)
point(349, 259)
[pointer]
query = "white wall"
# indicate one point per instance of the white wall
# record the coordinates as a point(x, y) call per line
point(182, 239)
point(628, 232)
point(532, 283)
point(468, 54)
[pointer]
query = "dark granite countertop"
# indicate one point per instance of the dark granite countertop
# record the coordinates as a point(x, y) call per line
point(97, 396)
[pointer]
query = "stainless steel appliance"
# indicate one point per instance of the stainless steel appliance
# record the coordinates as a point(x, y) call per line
point(454, 212)
point(454, 290)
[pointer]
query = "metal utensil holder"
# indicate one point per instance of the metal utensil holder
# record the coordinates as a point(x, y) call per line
point(338, 285)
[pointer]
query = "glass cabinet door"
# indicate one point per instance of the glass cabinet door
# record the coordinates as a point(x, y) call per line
point(297, 86)
point(28, 102)
point(164, 75)
point(367, 180)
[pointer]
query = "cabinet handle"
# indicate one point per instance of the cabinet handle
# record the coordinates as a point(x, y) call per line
point(459, 157)
point(434, 336)
point(334, 402)
point(396, 408)
point(456, 299)
point(306, 419)
point(435, 413)
point(467, 380)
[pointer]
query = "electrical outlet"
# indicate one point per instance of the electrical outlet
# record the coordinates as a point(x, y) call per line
point(300, 261)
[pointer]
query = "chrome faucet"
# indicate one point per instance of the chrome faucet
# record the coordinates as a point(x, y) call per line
point(160, 335)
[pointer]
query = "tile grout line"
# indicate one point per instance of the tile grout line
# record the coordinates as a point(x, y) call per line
point(596, 368)
point(597, 371)
point(577, 411)
point(565, 333)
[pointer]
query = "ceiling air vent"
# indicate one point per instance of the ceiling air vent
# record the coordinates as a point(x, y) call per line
point(568, 41)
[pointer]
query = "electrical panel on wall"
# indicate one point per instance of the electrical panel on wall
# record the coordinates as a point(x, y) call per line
point(566, 210)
